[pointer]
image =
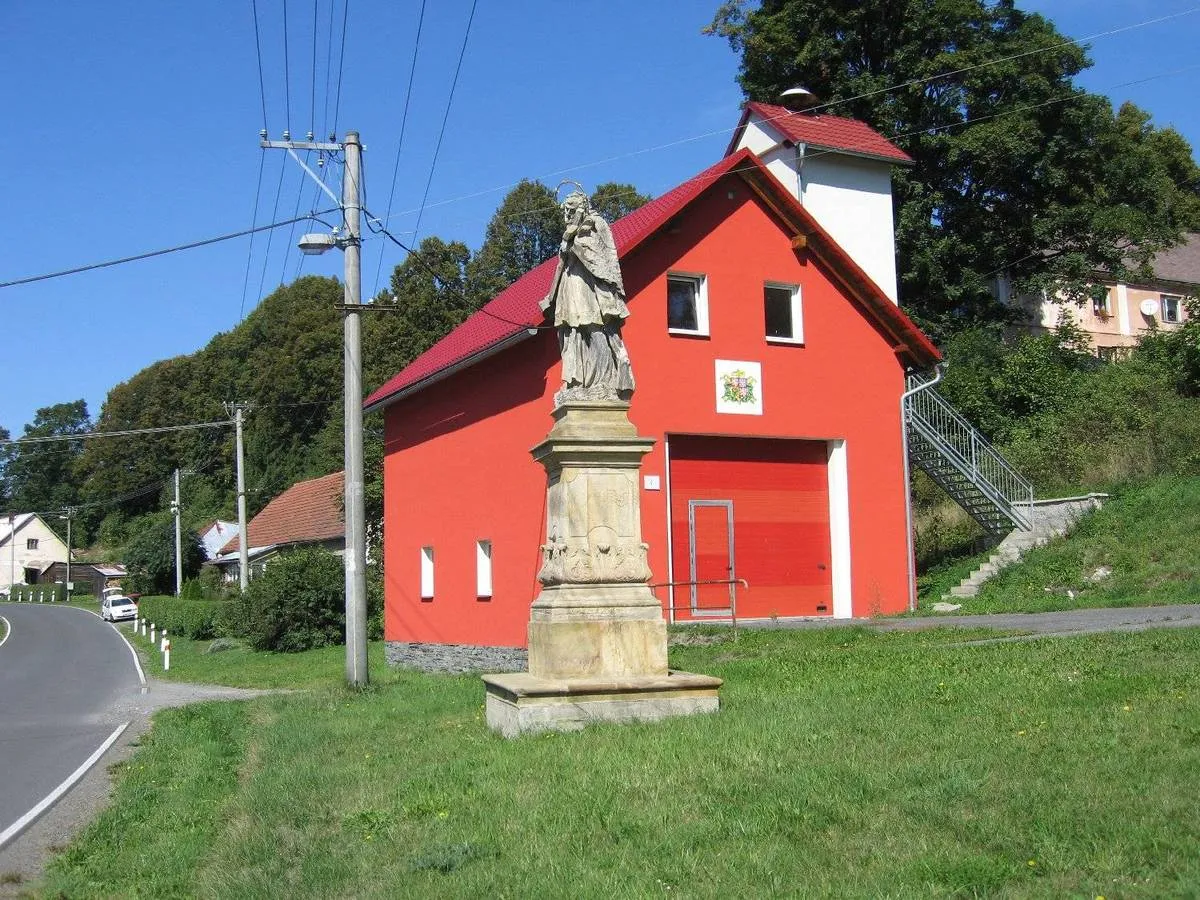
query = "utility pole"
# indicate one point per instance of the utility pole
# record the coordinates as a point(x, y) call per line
point(178, 540)
point(350, 242)
point(356, 544)
point(243, 537)
point(67, 589)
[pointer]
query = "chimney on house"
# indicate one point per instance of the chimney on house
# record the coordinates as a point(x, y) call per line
point(840, 170)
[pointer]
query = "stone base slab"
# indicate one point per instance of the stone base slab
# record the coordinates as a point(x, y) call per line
point(519, 703)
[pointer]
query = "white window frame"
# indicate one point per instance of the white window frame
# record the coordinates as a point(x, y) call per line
point(1102, 307)
point(31, 543)
point(1162, 305)
point(427, 573)
point(701, 283)
point(797, 313)
point(483, 569)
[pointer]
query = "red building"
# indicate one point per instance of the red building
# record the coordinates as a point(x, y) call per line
point(769, 371)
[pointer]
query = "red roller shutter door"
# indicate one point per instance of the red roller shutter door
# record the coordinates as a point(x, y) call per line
point(779, 492)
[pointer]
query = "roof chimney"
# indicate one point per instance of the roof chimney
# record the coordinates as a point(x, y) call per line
point(798, 99)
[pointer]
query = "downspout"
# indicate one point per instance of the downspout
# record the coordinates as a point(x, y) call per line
point(800, 150)
point(938, 372)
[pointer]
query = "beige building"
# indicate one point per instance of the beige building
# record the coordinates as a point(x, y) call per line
point(28, 547)
point(1117, 320)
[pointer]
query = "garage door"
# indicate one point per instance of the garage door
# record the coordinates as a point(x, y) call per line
point(753, 509)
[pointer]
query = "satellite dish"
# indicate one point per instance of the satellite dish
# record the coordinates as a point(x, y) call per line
point(798, 99)
point(1149, 307)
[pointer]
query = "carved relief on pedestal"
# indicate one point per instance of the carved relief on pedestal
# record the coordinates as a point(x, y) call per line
point(602, 561)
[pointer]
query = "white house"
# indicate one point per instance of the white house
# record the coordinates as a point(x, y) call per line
point(28, 547)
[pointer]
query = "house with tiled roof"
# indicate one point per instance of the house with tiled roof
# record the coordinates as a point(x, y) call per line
point(29, 547)
point(770, 366)
point(1120, 313)
point(308, 514)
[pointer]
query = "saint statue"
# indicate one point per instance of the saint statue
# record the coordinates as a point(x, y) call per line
point(587, 300)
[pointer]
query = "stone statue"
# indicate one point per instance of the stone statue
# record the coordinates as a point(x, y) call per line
point(588, 302)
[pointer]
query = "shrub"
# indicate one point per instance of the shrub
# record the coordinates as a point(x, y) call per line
point(298, 603)
point(197, 619)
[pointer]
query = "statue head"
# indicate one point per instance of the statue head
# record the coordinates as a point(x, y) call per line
point(576, 205)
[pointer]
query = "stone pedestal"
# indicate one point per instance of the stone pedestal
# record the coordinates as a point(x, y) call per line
point(597, 639)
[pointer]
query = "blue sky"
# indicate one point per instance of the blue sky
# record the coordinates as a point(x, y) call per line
point(134, 126)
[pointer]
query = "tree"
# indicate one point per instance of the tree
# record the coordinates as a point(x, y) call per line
point(523, 232)
point(39, 477)
point(614, 200)
point(150, 556)
point(1016, 169)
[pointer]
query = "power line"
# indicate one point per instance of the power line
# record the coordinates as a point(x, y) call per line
point(292, 231)
point(287, 78)
point(479, 193)
point(262, 88)
point(337, 104)
point(312, 106)
point(833, 103)
point(412, 69)
point(262, 159)
point(328, 69)
point(413, 254)
point(54, 438)
point(140, 256)
point(445, 118)
point(274, 212)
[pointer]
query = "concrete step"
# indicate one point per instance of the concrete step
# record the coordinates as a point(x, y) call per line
point(1050, 521)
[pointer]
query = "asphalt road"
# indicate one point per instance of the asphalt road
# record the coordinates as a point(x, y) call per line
point(63, 672)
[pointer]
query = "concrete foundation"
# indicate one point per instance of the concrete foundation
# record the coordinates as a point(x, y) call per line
point(520, 703)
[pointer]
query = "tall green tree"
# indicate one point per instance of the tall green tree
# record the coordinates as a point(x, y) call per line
point(150, 555)
point(40, 477)
point(1017, 169)
point(614, 200)
point(524, 231)
point(527, 228)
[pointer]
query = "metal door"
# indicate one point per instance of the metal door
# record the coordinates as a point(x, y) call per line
point(710, 553)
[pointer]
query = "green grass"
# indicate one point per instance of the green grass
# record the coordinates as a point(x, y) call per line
point(242, 667)
point(843, 763)
point(1146, 535)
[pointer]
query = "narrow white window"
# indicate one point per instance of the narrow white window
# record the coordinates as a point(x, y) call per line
point(483, 569)
point(783, 313)
point(1170, 309)
point(687, 304)
point(426, 573)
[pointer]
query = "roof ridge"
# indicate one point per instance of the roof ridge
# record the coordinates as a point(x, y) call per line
point(515, 309)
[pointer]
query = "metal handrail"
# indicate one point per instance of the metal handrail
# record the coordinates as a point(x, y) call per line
point(732, 595)
point(970, 453)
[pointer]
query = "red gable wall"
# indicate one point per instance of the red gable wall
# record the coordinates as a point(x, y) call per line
point(458, 469)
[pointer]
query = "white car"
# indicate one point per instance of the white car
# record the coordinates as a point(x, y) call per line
point(117, 609)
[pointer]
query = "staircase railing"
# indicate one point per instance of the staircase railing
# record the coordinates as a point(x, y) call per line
point(968, 451)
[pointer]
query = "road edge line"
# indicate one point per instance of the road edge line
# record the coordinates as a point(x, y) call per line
point(50, 799)
point(137, 662)
point(7, 632)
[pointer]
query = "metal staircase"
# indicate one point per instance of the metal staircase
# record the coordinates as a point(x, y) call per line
point(961, 461)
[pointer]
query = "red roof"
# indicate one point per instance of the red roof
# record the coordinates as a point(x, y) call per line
point(823, 132)
point(307, 512)
point(506, 317)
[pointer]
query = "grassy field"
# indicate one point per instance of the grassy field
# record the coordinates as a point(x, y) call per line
point(843, 763)
point(1144, 535)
